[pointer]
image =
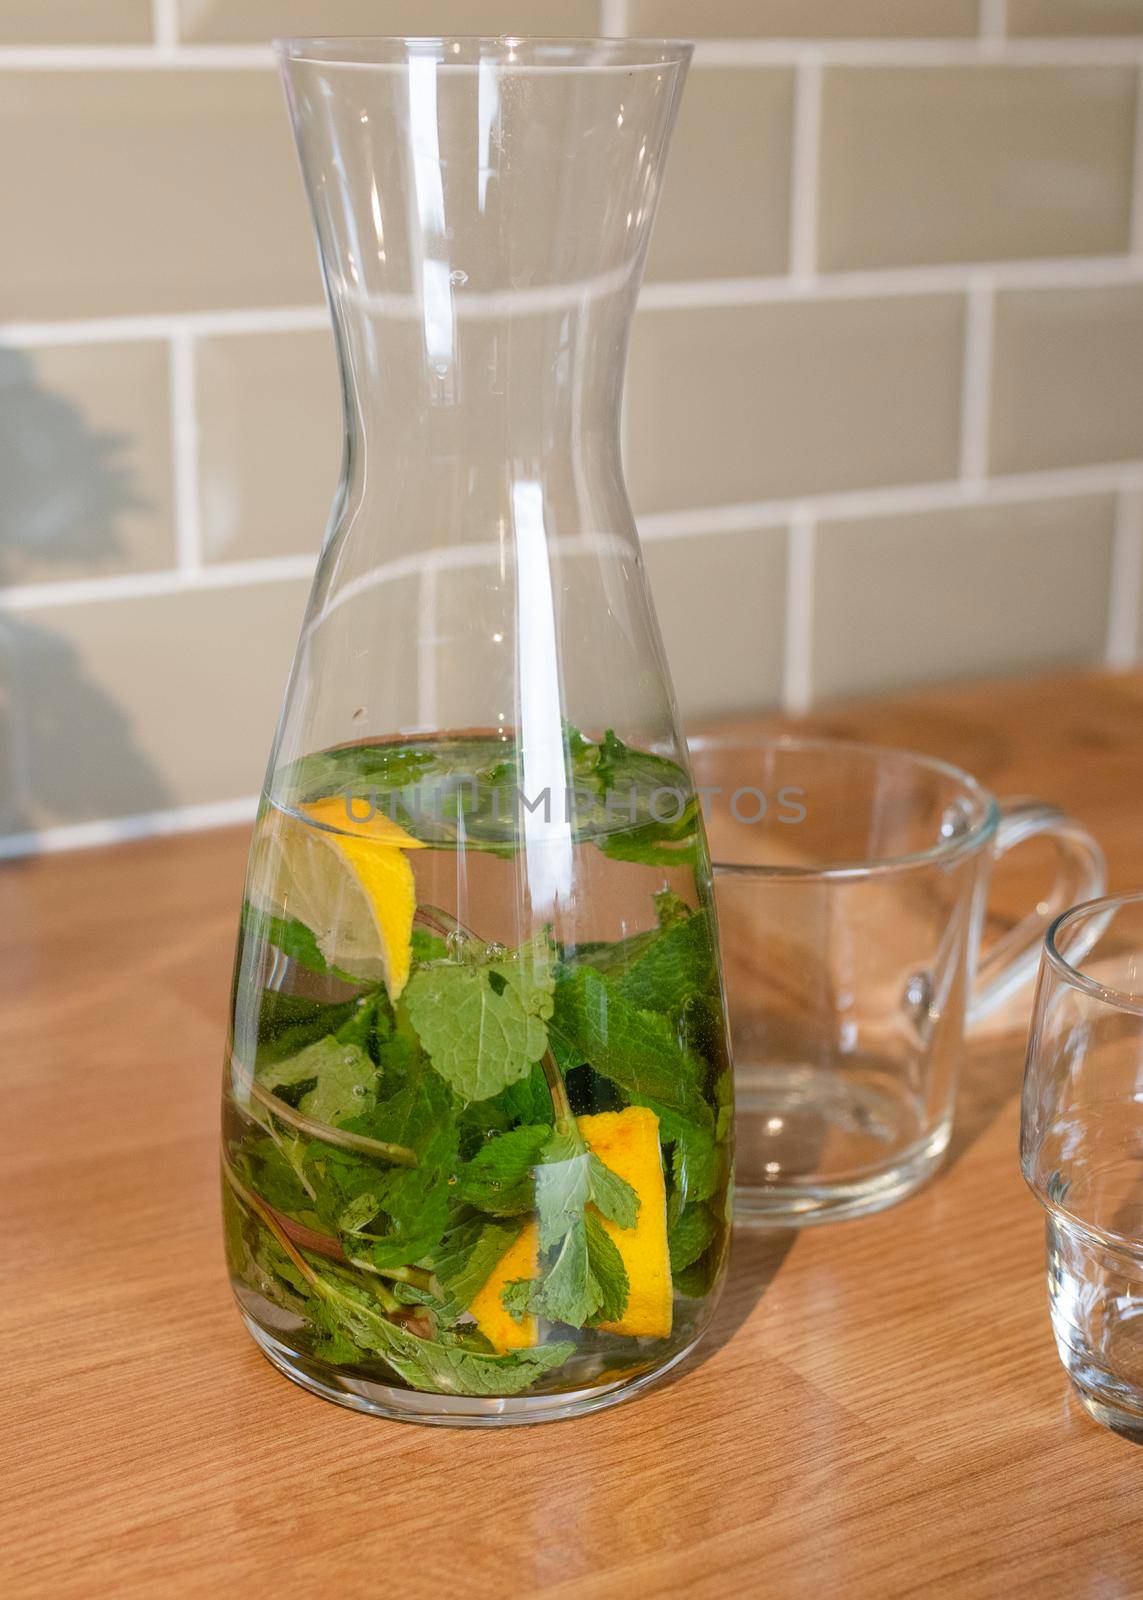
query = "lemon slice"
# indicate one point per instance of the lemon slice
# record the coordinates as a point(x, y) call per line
point(348, 880)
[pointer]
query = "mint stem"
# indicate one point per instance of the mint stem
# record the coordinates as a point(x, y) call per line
point(398, 1154)
point(557, 1088)
point(270, 1222)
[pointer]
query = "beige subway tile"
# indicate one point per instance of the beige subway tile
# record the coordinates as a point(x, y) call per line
point(233, 20)
point(126, 706)
point(963, 593)
point(75, 22)
point(85, 461)
point(270, 435)
point(924, 165)
point(150, 191)
point(721, 602)
point(725, 209)
point(1067, 384)
point(804, 19)
point(1068, 18)
point(750, 403)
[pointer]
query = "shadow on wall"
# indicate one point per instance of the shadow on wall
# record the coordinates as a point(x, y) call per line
point(67, 753)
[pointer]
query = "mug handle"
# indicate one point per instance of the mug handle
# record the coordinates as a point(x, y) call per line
point(1014, 958)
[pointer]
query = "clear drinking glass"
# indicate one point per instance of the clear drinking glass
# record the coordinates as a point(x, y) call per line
point(851, 885)
point(1081, 1148)
point(477, 1120)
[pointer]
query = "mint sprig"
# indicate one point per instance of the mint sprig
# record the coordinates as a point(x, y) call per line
point(483, 1022)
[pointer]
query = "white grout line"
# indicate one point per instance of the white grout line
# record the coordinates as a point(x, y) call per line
point(184, 431)
point(797, 672)
point(853, 505)
point(804, 171)
point(978, 51)
point(1063, 273)
point(976, 382)
point(1123, 640)
point(1137, 170)
point(659, 525)
point(199, 324)
point(993, 22)
point(145, 585)
point(135, 58)
point(1079, 52)
point(613, 18)
point(119, 830)
point(165, 24)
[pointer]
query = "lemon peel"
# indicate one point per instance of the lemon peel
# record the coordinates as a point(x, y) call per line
point(349, 880)
point(520, 1260)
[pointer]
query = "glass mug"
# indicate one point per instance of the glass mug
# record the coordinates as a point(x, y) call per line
point(851, 885)
point(1081, 1148)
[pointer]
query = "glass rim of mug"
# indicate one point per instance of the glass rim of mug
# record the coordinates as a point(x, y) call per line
point(946, 850)
point(1071, 971)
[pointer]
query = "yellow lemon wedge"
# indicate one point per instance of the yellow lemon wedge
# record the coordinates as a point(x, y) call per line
point(628, 1143)
point(520, 1260)
point(348, 879)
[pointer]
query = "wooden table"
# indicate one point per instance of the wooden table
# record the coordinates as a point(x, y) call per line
point(878, 1411)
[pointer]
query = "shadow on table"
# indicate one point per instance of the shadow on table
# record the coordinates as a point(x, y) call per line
point(755, 1257)
point(990, 1080)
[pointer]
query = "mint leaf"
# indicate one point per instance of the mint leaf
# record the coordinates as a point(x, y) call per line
point(287, 1023)
point(608, 1271)
point(267, 1165)
point(343, 1079)
point(518, 1297)
point(348, 1318)
point(293, 938)
point(585, 1282)
point(636, 1049)
point(691, 1236)
point(580, 1278)
point(676, 966)
point(359, 1212)
point(670, 908)
point(498, 1179)
point(428, 946)
point(612, 1195)
point(528, 1101)
point(409, 1206)
point(483, 1026)
point(465, 1257)
point(568, 1178)
point(444, 1369)
point(568, 1291)
point(562, 1187)
point(639, 1051)
point(694, 1158)
point(370, 1023)
point(657, 844)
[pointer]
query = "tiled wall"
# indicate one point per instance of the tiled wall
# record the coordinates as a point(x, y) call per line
point(885, 392)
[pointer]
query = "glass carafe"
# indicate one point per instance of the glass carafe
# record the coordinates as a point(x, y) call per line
point(477, 1122)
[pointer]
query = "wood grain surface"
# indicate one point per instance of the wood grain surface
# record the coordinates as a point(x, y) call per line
point(879, 1410)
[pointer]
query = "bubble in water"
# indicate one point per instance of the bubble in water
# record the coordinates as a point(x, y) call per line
point(496, 949)
point(458, 277)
